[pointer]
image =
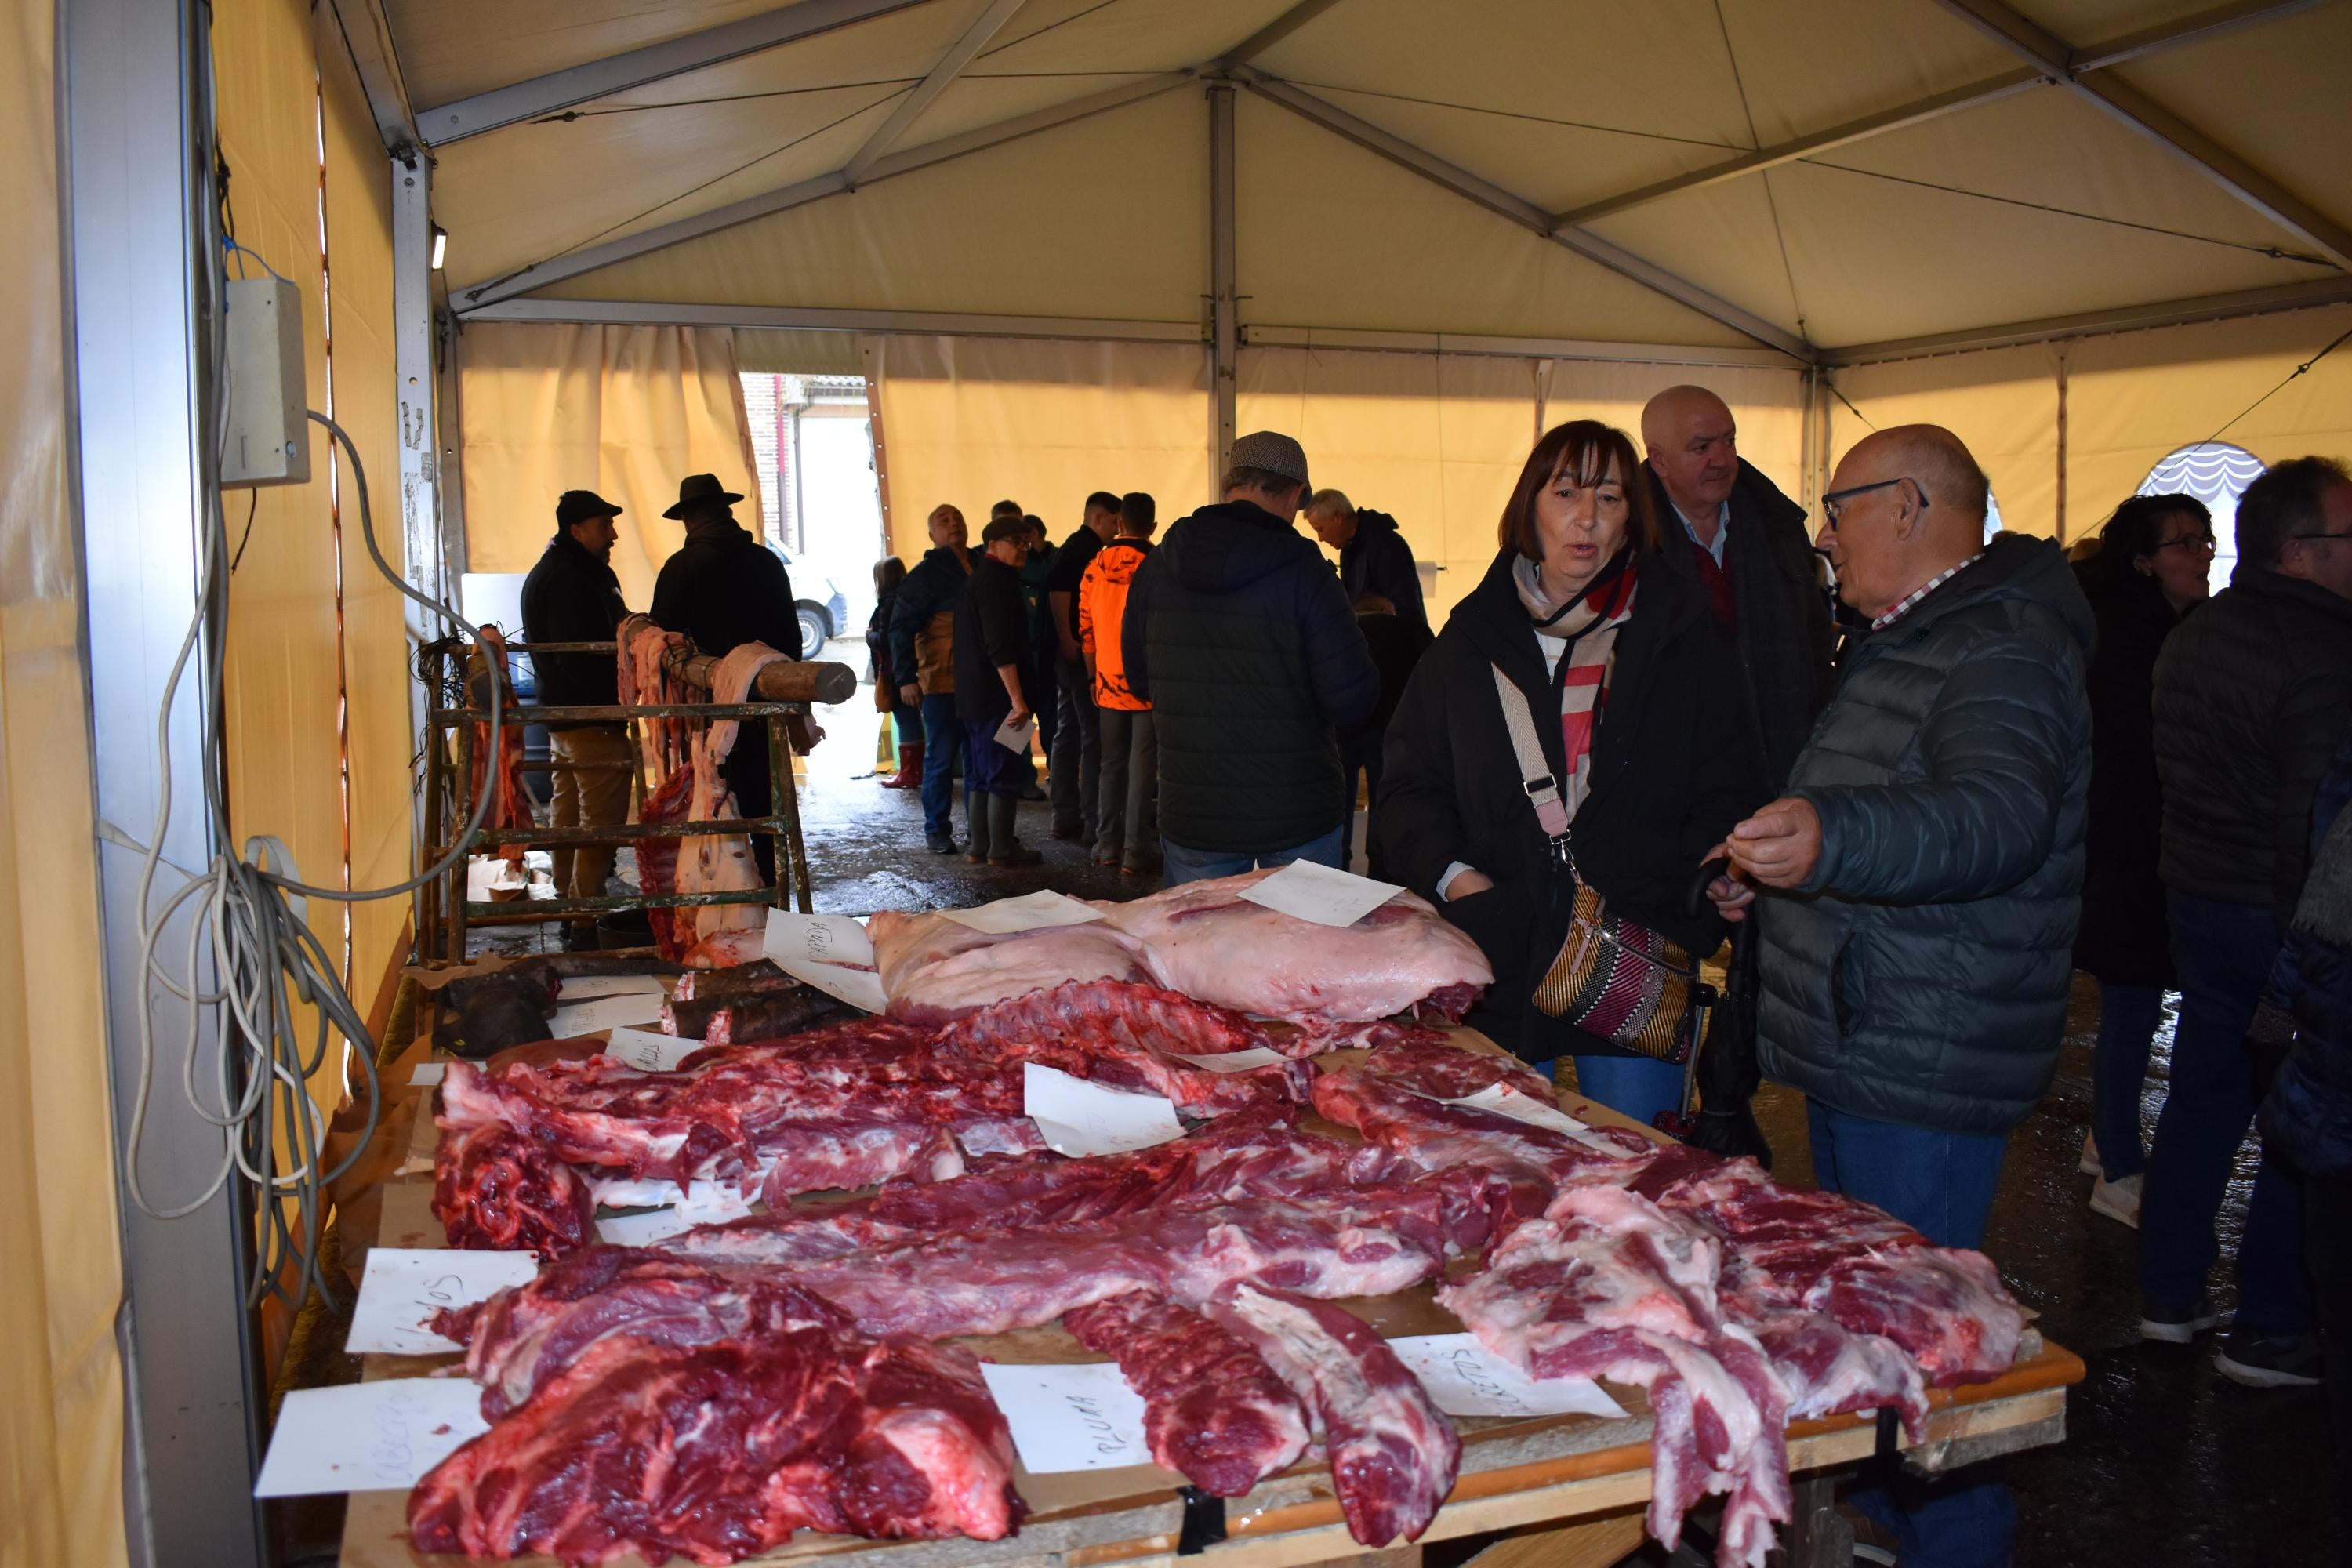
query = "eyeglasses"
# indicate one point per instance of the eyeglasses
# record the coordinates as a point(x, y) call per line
point(2202, 543)
point(1833, 504)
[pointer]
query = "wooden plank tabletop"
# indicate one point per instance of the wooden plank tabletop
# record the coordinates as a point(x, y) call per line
point(1515, 1472)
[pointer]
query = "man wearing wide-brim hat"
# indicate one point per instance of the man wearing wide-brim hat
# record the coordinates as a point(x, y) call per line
point(723, 588)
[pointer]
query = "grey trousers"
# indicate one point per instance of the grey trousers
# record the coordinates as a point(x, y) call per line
point(1128, 816)
point(1074, 769)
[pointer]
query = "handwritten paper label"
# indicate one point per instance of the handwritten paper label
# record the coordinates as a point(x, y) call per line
point(1234, 1061)
point(649, 1051)
point(1465, 1378)
point(589, 988)
point(427, 1074)
point(368, 1436)
point(1075, 1117)
point(1081, 1417)
point(1504, 1101)
point(607, 1013)
point(1031, 911)
point(1015, 737)
point(404, 1286)
point(815, 938)
point(1317, 893)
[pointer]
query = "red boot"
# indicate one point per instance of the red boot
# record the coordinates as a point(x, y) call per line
point(910, 768)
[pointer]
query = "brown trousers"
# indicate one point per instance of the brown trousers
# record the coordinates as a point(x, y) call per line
point(594, 797)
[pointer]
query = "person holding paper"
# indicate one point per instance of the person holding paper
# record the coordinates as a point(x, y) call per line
point(922, 660)
point(991, 652)
point(1618, 674)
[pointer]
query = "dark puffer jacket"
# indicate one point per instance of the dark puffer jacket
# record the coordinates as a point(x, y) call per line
point(2307, 1119)
point(1378, 559)
point(1920, 976)
point(2253, 695)
point(1671, 770)
point(1239, 636)
point(573, 597)
point(2125, 939)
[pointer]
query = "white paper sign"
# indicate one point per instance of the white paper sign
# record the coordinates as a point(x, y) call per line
point(1081, 1417)
point(427, 1074)
point(607, 1013)
point(706, 1202)
point(634, 1191)
point(1464, 1378)
point(1015, 737)
point(404, 1286)
point(861, 988)
point(1030, 912)
point(648, 1051)
point(589, 988)
point(1234, 1061)
point(1317, 893)
point(1075, 1117)
point(1504, 1101)
point(792, 938)
point(368, 1436)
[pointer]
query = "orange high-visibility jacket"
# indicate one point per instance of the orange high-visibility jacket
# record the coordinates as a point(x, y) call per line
point(1102, 607)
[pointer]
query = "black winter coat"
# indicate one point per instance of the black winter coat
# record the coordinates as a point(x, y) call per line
point(1920, 975)
point(1240, 638)
point(931, 588)
point(2307, 1119)
point(1785, 639)
point(992, 627)
point(1377, 560)
point(1671, 771)
point(2253, 695)
point(724, 588)
point(2124, 937)
point(571, 596)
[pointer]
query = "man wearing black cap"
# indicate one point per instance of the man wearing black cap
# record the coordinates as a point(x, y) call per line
point(991, 670)
point(724, 588)
point(571, 595)
point(1240, 638)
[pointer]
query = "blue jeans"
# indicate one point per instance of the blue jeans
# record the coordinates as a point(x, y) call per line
point(1941, 1185)
point(1181, 864)
point(943, 738)
point(2223, 953)
point(2129, 1016)
point(1641, 1088)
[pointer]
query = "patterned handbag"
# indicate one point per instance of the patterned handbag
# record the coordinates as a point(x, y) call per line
point(1615, 979)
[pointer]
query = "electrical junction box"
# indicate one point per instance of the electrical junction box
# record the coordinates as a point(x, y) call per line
point(269, 426)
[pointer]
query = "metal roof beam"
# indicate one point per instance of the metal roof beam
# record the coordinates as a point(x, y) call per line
point(1273, 33)
point(809, 319)
point(1526, 214)
point(543, 95)
point(910, 107)
point(2198, 28)
point(368, 35)
point(2130, 107)
point(2095, 323)
point(556, 269)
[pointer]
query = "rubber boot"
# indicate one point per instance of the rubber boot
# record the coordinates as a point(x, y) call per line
point(1004, 847)
point(976, 808)
point(910, 768)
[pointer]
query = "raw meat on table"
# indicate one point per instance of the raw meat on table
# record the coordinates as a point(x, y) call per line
point(709, 984)
point(719, 1452)
point(735, 1017)
point(495, 1190)
point(935, 970)
point(1214, 1411)
point(732, 946)
point(1393, 1454)
point(1121, 1034)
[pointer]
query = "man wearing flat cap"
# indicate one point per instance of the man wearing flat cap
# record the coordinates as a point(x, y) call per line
point(571, 595)
point(723, 588)
point(1242, 640)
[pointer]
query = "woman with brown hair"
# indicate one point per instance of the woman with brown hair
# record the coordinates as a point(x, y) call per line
point(1620, 677)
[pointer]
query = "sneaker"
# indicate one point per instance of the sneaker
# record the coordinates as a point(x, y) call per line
point(2175, 1326)
point(941, 846)
point(2087, 1163)
point(2269, 1361)
point(2118, 1200)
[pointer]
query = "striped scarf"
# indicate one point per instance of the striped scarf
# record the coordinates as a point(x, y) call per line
point(1589, 625)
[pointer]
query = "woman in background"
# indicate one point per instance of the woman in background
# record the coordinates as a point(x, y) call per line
point(905, 727)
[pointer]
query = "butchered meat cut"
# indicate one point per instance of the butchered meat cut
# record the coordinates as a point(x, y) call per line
point(1214, 1411)
point(495, 1190)
point(719, 1452)
point(934, 969)
point(1206, 941)
point(1393, 1454)
point(1133, 1038)
point(1946, 1308)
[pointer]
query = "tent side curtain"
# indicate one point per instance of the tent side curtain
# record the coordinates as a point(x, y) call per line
point(60, 1246)
point(2130, 400)
point(627, 412)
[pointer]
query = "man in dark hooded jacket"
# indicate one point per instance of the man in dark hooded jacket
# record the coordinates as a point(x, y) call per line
point(1240, 640)
point(1926, 858)
point(1373, 555)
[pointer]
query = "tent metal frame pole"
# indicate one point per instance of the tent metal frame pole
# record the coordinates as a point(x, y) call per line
point(367, 33)
point(2101, 323)
point(794, 318)
point(984, 27)
point(1224, 303)
point(558, 90)
point(138, 380)
point(417, 431)
point(2127, 105)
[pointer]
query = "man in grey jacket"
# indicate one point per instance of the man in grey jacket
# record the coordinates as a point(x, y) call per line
point(1923, 871)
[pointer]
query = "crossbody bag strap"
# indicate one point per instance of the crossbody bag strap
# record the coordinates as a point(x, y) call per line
point(1535, 774)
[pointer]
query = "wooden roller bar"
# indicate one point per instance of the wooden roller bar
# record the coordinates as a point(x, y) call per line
point(786, 680)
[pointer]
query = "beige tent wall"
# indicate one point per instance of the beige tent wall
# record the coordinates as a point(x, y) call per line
point(971, 421)
point(60, 1246)
point(627, 412)
point(2003, 403)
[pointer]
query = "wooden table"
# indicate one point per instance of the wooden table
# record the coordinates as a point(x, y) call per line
point(1586, 1478)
